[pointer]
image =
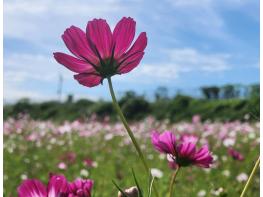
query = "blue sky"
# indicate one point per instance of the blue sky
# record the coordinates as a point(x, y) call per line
point(191, 43)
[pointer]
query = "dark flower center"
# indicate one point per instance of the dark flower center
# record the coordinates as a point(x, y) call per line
point(108, 68)
point(183, 161)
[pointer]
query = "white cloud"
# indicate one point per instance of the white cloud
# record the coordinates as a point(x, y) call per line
point(205, 16)
point(24, 69)
point(13, 93)
point(21, 67)
point(189, 59)
point(21, 70)
point(45, 20)
point(179, 61)
point(199, 16)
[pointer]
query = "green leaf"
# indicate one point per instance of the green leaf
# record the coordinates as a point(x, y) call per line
point(137, 184)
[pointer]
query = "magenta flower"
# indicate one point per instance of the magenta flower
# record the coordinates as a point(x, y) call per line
point(69, 157)
point(182, 154)
point(80, 188)
point(189, 138)
point(89, 162)
point(100, 53)
point(57, 187)
point(235, 154)
point(165, 142)
point(196, 119)
point(62, 166)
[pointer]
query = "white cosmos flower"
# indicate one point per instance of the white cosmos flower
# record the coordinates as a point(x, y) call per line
point(242, 177)
point(156, 173)
point(201, 193)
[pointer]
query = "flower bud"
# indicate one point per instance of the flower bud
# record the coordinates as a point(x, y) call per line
point(131, 192)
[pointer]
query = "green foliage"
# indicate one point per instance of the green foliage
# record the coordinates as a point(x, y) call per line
point(255, 90)
point(160, 108)
point(102, 109)
point(136, 107)
point(211, 92)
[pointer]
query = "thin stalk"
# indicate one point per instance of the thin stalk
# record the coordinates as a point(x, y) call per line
point(250, 177)
point(130, 133)
point(173, 181)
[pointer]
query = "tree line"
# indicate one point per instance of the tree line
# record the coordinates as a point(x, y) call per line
point(224, 103)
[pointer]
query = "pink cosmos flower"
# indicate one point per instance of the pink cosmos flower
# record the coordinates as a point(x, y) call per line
point(89, 162)
point(189, 138)
point(100, 53)
point(69, 157)
point(196, 119)
point(80, 188)
point(235, 154)
point(57, 187)
point(183, 153)
point(62, 166)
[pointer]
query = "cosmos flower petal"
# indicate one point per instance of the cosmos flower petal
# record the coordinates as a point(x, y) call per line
point(202, 151)
point(205, 163)
point(123, 35)
point(88, 80)
point(76, 41)
point(235, 154)
point(165, 142)
point(80, 185)
point(131, 63)
point(139, 45)
point(72, 63)
point(134, 55)
point(57, 186)
point(189, 138)
point(99, 33)
point(187, 150)
point(155, 140)
point(203, 157)
point(31, 188)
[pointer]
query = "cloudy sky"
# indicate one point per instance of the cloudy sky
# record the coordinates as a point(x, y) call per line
point(190, 44)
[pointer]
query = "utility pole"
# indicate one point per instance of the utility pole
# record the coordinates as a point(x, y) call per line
point(60, 86)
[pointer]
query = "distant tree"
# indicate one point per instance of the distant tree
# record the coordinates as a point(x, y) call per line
point(206, 92)
point(136, 108)
point(211, 92)
point(237, 91)
point(246, 91)
point(22, 106)
point(70, 98)
point(178, 106)
point(228, 91)
point(161, 93)
point(255, 90)
point(127, 96)
point(102, 109)
point(214, 91)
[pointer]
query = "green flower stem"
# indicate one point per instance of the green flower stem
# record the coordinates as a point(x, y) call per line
point(125, 123)
point(250, 177)
point(173, 181)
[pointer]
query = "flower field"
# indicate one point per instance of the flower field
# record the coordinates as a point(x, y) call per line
point(102, 151)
